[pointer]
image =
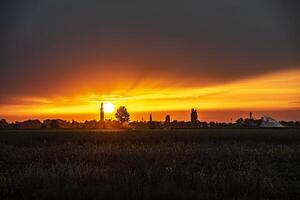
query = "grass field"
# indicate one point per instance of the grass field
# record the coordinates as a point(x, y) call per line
point(174, 164)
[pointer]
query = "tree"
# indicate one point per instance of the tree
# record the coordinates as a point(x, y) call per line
point(240, 121)
point(194, 116)
point(3, 123)
point(168, 119)
point(54, 124)
point(122, 114)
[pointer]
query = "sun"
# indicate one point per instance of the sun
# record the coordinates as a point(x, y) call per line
point(108, 107)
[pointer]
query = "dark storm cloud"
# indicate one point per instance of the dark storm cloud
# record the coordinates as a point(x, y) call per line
point(46, 44)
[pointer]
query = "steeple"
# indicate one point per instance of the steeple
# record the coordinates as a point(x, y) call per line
point(101, 113)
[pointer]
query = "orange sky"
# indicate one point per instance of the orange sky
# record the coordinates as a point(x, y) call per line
point(61, 59)
point(276, 94)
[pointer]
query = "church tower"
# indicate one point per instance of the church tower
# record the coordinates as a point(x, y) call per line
point(101, 113)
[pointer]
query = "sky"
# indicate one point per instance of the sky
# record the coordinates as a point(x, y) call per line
point(61, 58)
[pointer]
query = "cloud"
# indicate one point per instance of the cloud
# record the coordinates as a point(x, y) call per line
point(295, 102)
point(55, 47)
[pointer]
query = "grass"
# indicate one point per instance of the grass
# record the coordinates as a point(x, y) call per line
point(152, 164)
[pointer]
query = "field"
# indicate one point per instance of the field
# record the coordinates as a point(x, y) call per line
point(157, 164)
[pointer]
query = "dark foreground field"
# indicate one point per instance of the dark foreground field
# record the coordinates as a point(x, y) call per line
point(181, 164)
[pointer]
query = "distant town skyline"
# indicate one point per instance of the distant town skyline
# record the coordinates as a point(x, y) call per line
point(273, 95)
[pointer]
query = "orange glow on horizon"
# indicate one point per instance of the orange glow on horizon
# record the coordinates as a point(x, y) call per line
point(277, 91)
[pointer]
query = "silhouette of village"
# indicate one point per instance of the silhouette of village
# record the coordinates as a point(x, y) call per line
point(122, 121)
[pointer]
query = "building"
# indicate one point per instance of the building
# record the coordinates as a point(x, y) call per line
point(102, 113)
point(269, 122)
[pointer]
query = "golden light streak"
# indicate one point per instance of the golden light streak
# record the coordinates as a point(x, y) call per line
point(274, 92)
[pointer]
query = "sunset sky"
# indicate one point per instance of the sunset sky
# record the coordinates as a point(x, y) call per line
point(61, 59)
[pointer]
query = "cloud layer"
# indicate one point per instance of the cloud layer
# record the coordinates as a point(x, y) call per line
point(59, 46)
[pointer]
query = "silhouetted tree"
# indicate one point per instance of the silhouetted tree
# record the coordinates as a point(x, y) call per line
point(54, 124)
point(240, 121)
point(168, 119)
point(194, 116)
point(212, 124)
point(30, 124)
point(122, 114)
point(3, 123)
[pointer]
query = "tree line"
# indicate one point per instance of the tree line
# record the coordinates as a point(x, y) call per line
point(123, 121)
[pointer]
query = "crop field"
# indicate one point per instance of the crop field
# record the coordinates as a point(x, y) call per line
point(150, 164)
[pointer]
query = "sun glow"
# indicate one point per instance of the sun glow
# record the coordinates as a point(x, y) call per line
point(108, 107)
point(276, 91)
